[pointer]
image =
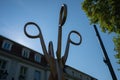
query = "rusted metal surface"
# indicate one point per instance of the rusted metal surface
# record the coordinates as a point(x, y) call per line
point(56, 64)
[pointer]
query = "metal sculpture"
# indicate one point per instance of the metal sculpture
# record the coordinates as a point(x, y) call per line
point(56, 64)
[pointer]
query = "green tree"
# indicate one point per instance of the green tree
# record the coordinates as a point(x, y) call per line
point(106, 13)
point(117, 48)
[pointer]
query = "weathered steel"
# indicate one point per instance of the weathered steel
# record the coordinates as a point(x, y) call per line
point(56, 64)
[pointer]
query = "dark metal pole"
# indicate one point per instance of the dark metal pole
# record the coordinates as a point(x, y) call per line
point(106, 60)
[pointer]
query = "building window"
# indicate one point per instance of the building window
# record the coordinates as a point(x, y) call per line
point(3, 64)
point(37, 75)
point(23, 73)
point(37, 58)
point(88, 78)
point(80, 76)
point(25, 53)
point(3, 71)
point(73, 73)
point(7, 45)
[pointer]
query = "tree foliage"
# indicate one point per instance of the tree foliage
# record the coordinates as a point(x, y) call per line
point(106, 13)
point(117, 48)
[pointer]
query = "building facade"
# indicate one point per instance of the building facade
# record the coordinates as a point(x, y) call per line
point(18, 62)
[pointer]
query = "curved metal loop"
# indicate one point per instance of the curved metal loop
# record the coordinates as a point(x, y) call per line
point(32, 36)
point(37, 36)
point(75, 43)
point(64, 58)
point(62, 19)
point(63, 15)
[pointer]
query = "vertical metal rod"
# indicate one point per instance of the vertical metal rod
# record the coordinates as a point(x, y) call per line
point(106, 60)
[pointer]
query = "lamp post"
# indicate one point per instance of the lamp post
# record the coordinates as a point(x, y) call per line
point(106, 60)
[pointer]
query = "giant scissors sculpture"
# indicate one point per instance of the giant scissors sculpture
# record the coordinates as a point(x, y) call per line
point(56, 64)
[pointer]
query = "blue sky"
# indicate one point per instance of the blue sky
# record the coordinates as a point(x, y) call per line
point(87, 57)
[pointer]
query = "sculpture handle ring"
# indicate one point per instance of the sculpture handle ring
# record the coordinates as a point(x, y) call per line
point(71, 41)
point(63, 15)
point(35, 25)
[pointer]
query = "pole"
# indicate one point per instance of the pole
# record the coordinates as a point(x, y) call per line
point(106, 60)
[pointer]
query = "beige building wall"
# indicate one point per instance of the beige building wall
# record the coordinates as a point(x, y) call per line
point(14, 62)
point(13, 67)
